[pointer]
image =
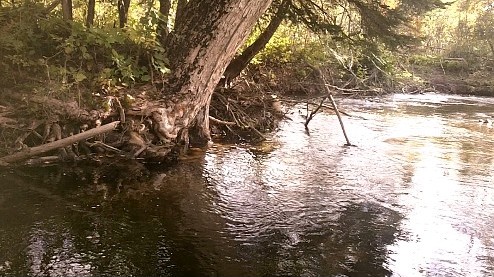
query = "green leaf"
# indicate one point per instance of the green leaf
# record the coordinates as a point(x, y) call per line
point(79, 77)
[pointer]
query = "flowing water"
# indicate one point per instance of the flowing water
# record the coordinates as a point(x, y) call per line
point(414, 197)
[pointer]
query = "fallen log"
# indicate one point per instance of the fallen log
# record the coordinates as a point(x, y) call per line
point(37, 150)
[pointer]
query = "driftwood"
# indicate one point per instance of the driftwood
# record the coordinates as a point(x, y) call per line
point(312, 114)
point(42, 160)
point(35, 151)
point(236, 109)
point(333, 103)
point(329, 95)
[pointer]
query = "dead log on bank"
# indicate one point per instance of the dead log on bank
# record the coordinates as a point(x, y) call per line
point(35, 151)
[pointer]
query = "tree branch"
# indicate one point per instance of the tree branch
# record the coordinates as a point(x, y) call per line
point(35, 151)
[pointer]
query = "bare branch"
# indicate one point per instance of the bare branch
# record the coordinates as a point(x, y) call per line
point(35, 151)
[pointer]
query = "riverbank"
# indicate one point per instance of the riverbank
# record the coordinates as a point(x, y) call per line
point(45, 124)
point(49, 124)
point(444, 79)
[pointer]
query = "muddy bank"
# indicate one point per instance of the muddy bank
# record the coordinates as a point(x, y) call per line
point(460, 85)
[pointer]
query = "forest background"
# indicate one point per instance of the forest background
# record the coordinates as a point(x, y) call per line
point(63, 57)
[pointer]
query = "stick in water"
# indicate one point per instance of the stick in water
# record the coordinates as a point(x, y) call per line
point(330, 95)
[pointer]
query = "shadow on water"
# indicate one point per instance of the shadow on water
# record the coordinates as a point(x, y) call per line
point(415, 198)
point(62, 223)
point(59, 223)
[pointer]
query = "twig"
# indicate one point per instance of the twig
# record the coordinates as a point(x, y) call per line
point(313, 113)
point(221, 121)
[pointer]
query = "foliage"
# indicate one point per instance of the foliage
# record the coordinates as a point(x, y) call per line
point(356, 63)
point(463, 30)
point(22, 39)
point(352, 36)
point(39, 44)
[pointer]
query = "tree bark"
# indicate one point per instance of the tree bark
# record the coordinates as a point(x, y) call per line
point(162, 26)
point(205, 40)
point(123, 12)
point(240, 62)
point(181, 7)
point(91, 5)
point(67, 9)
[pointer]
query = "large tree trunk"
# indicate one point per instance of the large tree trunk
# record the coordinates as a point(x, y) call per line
point(91, 5)
point(162, 26)
point(123, 12)
point(205, 40)
point(181, 7)
point(67, 9)
point(240, 62)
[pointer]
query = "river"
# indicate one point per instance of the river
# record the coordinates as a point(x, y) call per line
point(413, 197)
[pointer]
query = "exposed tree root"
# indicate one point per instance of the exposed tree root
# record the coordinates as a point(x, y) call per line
point(65, 132)
point(243, 116)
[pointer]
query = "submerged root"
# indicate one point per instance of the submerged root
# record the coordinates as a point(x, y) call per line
point(71, 135)
point(242, 116)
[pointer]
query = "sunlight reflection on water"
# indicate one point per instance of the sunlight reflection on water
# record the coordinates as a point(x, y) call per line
point(415, 197)
point(448, 214)
point(410, 158)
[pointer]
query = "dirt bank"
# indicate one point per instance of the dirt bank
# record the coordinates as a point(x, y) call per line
point(465, 81)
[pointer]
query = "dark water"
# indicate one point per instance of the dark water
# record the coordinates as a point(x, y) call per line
point(414, 198)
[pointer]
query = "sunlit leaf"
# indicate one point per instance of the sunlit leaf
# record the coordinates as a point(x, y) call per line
point(79, 77)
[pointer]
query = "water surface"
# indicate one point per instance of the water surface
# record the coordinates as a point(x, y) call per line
point(415, 197)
